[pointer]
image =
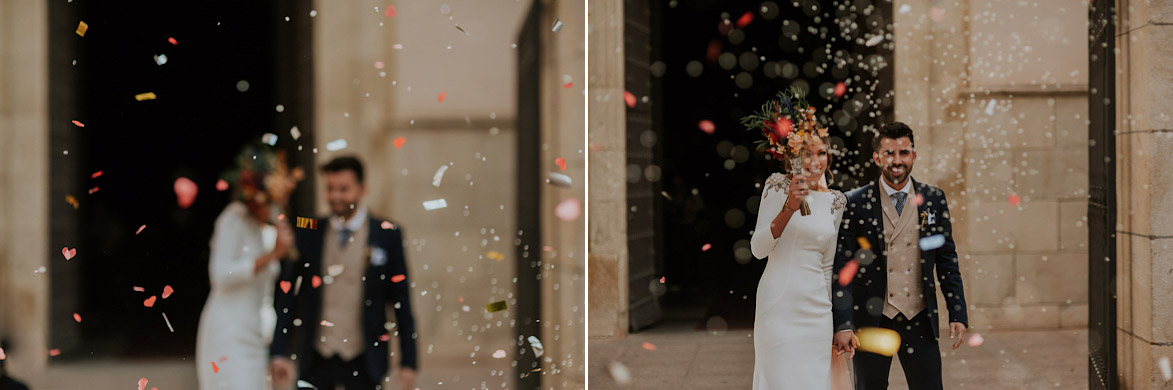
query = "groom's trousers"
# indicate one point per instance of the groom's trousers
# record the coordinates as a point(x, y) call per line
point(919, 356)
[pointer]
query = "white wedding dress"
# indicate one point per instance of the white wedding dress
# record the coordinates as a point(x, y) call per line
point(793, 326)
point(237, 323)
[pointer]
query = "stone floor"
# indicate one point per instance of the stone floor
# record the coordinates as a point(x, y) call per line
point(685, 358)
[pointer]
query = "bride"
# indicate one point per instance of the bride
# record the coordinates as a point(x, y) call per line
point(792, 325)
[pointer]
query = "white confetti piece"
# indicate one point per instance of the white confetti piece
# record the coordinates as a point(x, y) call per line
point(269, 138)
point(990, 107)
point(874, 40)
point(619, 373)
point(435, 204)
point(336, 145)
point(558, 179)
point(568, 210)
point(557, 25)
point(439, 175)
point(499, 354)
point(161, 59)
point(1166, 371)
point(905, 8)
point(536, 345)
point(932, 242)
point(293, 131)
point(168, 323)
point(306, 385)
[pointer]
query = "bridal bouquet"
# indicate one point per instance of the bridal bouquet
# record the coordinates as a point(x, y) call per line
point(789, 125)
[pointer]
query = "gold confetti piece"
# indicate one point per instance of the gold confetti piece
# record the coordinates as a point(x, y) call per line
point(863, 243)
point(145, 96)
point(167, 321)
point(72, 201)
point(496, 307)
point(81, 28)
point(531, 372)
point(307, 223)
point(495, 255)
point(879, 341)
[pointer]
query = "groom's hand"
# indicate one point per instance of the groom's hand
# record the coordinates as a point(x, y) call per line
point(283, 371)
point(957, 329)
point(845, 341)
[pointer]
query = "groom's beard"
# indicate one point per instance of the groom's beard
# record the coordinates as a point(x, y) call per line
point(895, 178)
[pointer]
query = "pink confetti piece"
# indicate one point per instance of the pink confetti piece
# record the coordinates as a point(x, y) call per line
point(285, 286)
point(568, 85)
point(840, 89)
point(384, 337)
point(705, 248)
point(398, 278)
point(390, 13)
point(93, 190)
point(77, 317)
point(1014, 199)
point(744, 20)
point(499, 354)
point(142, 384)
point(221, 185)
point(327, 323)
point(139, 289)
point(379, 65)
point(460, 299)
point(568, 210)
point(167, 291)
point(707, 126)
point(386, 225)
point(663, 279)
point(399, 142)
point(937, 14)
point(560, 162)
point(2, 355)
point(441, 97)
point(185, 192)
point(848, 272)
point(149, 302)
point(649, 346)
point(54, 352)
point(68, 253)
point(96, 174)
point(78, 124)
point(918, 200)
point(316, 281)
point(547, 248)
point(629, 98)
point(976, 340)
point(223, 359)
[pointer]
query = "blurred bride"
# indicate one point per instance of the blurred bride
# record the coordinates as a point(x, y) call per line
point(251, 236)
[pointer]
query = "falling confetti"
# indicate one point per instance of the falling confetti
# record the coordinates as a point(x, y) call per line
point(336, 145)
point(149, 302)
point(215, 368)
point(435, 204)
point(629, 98)
point(167, 291)
point(72, 201)
point(975, 340)
point(568, 210)
point(1166, 371)
point(160, 59)
point(68, 253)
point(93, 190)
point(557, 25)
point(918, 200)
point(495, 255)
point(185, 192)
point(384, 337)
point(1014, 199)
point(2, 355)
point(271, 139)
point(568, 85)
point(77, 317)
point(619, 373)
point(536, 345)
point(145, 96)
point(285, 286)
point(744, 20)
point(848, 272)
point(295, 133)
point(167, 321)
point(307, 223)
point(399, 142)
point(649, 346)
point(932, 242)
point(54, 352)
point(905, 8)
point(390, 13)
point(223, 359)
point(81, 29)
point(173, 41)
point(880, 341)
point(706, 247)
point(439, 176)
point(327, 323)
point(441, 97)
point(96, 174)
point(937, 14)
point(558, 179)
point(221, 185)
point(499, 354)
point(142, 384)
point(840, 89)
point(462, 30)
point(864, 244)
point(560, 162)
point(707, 126)
point(398, 278)
point(663, 279)
point(874, 40)
point(78, 124)
point(139, 289)
point(990, 106)
point(387, 225)
point(495, 307)
point(316, 281)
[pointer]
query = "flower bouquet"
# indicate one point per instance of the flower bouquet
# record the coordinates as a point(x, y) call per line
point(788, 124)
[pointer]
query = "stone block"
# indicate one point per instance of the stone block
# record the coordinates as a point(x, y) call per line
point(988, 279)
point(1141, 288)
point(1162, 289)
point(1052, 279)
point(1073, 316)
point(1071, 121)
point(1053, 174)
point(1073, 234)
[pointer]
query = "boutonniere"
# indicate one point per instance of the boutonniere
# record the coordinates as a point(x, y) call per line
point(928, 218)
point(377, 255)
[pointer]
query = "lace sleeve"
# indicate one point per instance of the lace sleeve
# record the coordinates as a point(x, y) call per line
point(777, 181)
point(840, 201)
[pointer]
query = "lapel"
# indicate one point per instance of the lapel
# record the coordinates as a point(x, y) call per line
point(874, 195)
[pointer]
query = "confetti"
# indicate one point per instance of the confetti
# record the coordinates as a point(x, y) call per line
point(185, 192)
point(54, 352)
point(848, 272)
point(149, 302)
point(462, 30)
point(629, 98)
point(880, 341)
point(557, 25)
point(649, 346)
point(435, 204)
point(390, 13)
point(706, 247)
point(387, 225)
point(495, 255)
point(990, 106)
point(145, 96)
point(905, 8)
point(81, 28)
point(223, 359)
point(499, 354)
point(918, 200)
point(327, 323)
point(495, 307)
point(558, 179)
point(1166, 371)
point(399, 142)
point(568, 85)
point(77, 317)
point(384, 337)
point(560, 162)
point(2, 355)
point(441, 97)
point(96, 174)
point(1014, 199)
point(874, 40)
point(864, 244)
point(619, 373)
point(840, 89)
point(93, 190)
point(221, 185)
point(745, 19)
point(568, 210)
point(160, 59)
point(173, 41)
point(142, 384)
point(68, 253)
point(536, 345)
point(398, 278)
point(293, 131)
point(439, 176)
point(937, 14)
point(539, 369)
point(270, 138)
point(307, 223)
point(336, 145)
point(215, 368)
point(976, 340)
point(663, 279)
point(707, 126)
point(316, 281)
point(72, 201)
point(78, 124)
point(167, 291)
point(932, 242)
point(139, 289)
point(285, 286)
point(167, 321)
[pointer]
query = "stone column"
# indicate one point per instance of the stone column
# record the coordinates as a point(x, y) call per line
point(1144, 139)
point(608, 187)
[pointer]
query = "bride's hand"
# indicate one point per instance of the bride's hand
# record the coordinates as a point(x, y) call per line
point(798, 192)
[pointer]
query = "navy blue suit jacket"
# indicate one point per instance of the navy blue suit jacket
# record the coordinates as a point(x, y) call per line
point(861, 302)
point(305, 302)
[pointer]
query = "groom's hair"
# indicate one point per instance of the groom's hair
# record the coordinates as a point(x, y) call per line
point(345, 163)
point(894, 130)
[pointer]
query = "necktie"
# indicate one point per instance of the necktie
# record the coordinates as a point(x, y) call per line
point(900, 196)
point(344, 236)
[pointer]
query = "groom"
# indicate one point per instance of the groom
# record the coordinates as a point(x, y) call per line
point(896, 286)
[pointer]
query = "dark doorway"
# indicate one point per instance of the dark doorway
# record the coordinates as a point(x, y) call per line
point(720, 61)
point(196, 59)
point(1101, 213)
point(529, 192)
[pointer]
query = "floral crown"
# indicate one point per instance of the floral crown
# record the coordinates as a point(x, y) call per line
point(788, 124)
point(255, 163)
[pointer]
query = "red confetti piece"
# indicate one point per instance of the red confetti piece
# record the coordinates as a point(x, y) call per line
point(649, 346)
point(93, 190)
point(390, 13)
point(663, 279)
point(387, 225)
point(568, 85)
point(714, 51)
point(68, 253)
point(221, 185)
point(285, 286)
point(281, 217)
point(149, 302)
point(560, 162)
point(96, 174)
point(744, 19)
point(629, 98)
point(840, 89)
point(54, 352)
point(705, 248)
point(316, 281)
point(707, 126)
point(1014, 199)
point(142, 384)
point(78, 124)
point(398, 278)
point(185, 192)
point(139, 289)
point(215, 368)
point(173, 41)
point(385, 337)
point(547, 248)
point(77, 317)
point(399, 142)
point(461, 299)
point(167, 291)
point(441, 97)
point(848, 272)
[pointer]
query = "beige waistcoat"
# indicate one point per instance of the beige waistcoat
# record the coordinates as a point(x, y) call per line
point(905, 284)
point(342, 294)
